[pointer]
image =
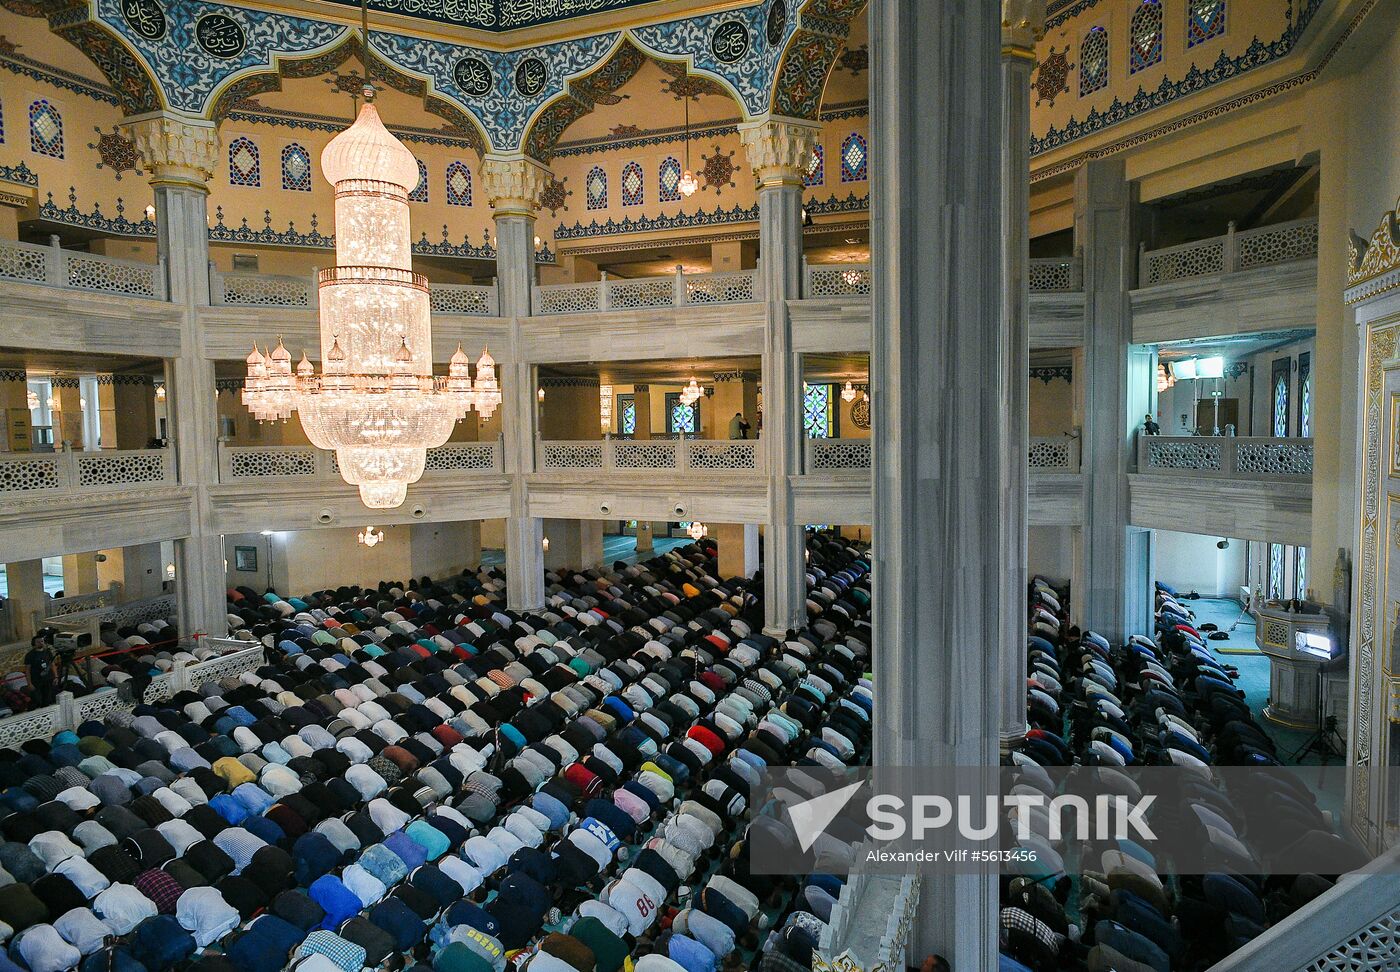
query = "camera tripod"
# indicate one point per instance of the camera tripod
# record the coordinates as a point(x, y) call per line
point(66, 665)
point(1327, 742)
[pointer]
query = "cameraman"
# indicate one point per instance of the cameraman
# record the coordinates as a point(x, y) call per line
point(41, 670)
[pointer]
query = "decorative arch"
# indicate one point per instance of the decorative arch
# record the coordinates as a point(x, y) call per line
point(133, 83)
point(811, 55)
point(461, 124)
point(599, 86)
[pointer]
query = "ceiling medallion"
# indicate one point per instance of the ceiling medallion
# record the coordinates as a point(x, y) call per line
point(530, 76)
point(473, 76)
point(730, 42)
point(220, 35)
point(376, 402)
point(777, 20)
point(145, 17)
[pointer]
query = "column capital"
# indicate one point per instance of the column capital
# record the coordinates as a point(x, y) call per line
point(513, 184)
point(176, 149)
point(1022, 25)
point(779, 149)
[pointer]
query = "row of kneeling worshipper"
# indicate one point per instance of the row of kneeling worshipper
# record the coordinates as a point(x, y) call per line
point(1164, 701)
point(564, 788)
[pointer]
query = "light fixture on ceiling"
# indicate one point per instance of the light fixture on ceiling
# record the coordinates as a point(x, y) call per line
point(697, 530)
point(32, 400)
point(690, 394)
point(170, 571)
point(544, 544)
point(376, 402)
point(688, 183)
point(848, 393)
point(160, 393)
point(539, 393)
point(369, 536)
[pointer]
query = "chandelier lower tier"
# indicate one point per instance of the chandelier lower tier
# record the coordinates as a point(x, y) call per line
point(376, 402)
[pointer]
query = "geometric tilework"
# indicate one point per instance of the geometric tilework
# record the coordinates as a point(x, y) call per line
point(817, 411)
point(816, 168)
point(420, 191)
point(296, 168)
point(668, 180)
point(244, 168)
point(631, 184)
point(459, 185)
point(45, 129)
point(596, 188)
point(1205, 19)
point(2, 124)
point(853, 158)
point(1093, 61)
point(1145, 36)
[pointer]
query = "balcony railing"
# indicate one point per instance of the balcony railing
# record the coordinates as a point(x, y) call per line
point(1234, 251)
point(837, 455)
point(674, 290)
point(41, 473)
point(1056, 275)
point(1233, 457)
point(671, 455)
point(835, 279)
point(280, 290)
point(53, 266)
point(242, 464)
point(1057, 453)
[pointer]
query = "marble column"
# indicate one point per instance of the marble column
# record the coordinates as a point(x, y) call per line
point(938, 351)
point(1022, 22)
point(512, 186)
point(181, 155)
point(134, 400)
point(79, 573)
point(68, 417)
point(779, 150)
point(641, 398)
point(14, 409)
point(1114, 599)
point(25, 579)
point(738, 548)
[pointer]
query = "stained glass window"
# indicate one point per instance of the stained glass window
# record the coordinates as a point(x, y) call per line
point(1281, 404)
point(816, 168)
point(296, 168)
point(459, 185)
point(420, 191)
point(817, 411)
point(596, 188)
point(1305, 417)
point(1093, 61)
point(243, 165)
point(2, 124)
point(668, 179)
point(1300, 572)
point(1145, 36)
point(681, 417)
point(853, 158)
point(45, 129)
point(1205, 19)
point(1276, 570)
point(627, 422)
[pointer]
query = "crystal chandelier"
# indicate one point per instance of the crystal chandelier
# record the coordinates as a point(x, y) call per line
point(32, 400)
point(688, 184)
point(697, 530)
point(376, 402)
point(848, 393)
point(690, 394)
point(369, 536)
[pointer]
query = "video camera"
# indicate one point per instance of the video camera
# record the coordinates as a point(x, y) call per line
point(69, 643)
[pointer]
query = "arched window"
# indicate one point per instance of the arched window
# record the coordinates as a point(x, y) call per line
point(816, 168)
point(296, 168)
point(420, 191)
point(1280, 404)
point(668, 180)
point(817, 411)
point(1300, 572)
point(243, 166)
point(2, 124)
point(45, 129)
point(853, 158)
point(1145, 36)
point(459, 185)
point(632, 184)
point(1276, 591)
point(1093, 61)
point(596, 188)
point(1205, 19)
point(1305, 415)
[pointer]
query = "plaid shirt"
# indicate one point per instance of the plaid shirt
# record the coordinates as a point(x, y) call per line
point(1018, 919)
point(346, 954)
point(163, 890)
